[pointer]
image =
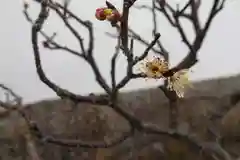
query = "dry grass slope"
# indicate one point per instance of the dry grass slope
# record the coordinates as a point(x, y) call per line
point(210, 108)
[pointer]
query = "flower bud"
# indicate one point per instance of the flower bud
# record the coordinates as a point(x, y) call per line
point(114, 17)
point(99, 14)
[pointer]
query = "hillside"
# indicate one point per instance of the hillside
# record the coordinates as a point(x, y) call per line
point(210, 108)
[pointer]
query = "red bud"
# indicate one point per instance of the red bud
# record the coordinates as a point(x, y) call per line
point(99, 14)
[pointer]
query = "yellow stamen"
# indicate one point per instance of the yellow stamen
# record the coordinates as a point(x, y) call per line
point(107, 12)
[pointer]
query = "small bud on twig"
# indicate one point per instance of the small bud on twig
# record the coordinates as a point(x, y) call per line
point(25, 4)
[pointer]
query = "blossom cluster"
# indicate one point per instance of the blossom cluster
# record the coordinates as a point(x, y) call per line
point(106, 13)
point(156, 67)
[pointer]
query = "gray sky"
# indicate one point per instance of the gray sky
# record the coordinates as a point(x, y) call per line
point(219, 55)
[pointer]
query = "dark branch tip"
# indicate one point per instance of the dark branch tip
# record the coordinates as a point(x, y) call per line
point(157, 35)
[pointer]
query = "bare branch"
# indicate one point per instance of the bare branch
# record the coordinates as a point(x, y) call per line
point(77, 143)
point(31, 147)
point(50, 43)
point(194, 15)
point(124, 28)
point(145, 53)
point(182, 33)
point(110, 5)
point(16, 97)
point(164, 11)
point(136, 37)
point(200, 33)
point(69, 26)
point(210, 148)
point(6, 105)
point(86, 24)
point(191, 58)
point(66, 4)
point(113, 65)
point(164, 52)
point(130, 74)
point(131, 3)
point(59, 91)
point(89, 56)
point(173, 104)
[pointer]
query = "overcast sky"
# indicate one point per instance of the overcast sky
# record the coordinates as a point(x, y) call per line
point(219, 55)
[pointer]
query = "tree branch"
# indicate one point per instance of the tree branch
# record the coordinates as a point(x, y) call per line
point(134, 123)
point(31, 147)
point(63, 93)
point(89, 55)
point(16, 97)
point(130, 74)
point(113, 66)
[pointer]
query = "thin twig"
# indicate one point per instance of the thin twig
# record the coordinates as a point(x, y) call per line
point(130, 75)
point(58, 90)
point(124, 28)
point(88, 56)
point(17, 98)
point(145, 53)
point(113, 66)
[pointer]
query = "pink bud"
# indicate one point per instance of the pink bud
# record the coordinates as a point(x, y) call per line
point(99, 14)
